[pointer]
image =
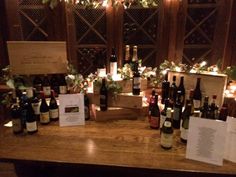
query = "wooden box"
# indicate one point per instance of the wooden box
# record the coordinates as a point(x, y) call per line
point(114, 113)
point(37, 57)
point(126, 86)
point(123, 100)
point(210, 84)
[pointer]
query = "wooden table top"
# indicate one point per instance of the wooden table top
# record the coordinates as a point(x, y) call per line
point(123, 143)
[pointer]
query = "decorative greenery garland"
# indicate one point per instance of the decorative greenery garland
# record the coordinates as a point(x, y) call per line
point(103, 3)
point(77, 83)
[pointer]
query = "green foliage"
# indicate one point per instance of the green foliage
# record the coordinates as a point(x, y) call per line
point(99, 3)
point(231, 72)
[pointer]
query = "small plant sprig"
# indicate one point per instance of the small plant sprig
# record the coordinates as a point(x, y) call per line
point(126, 72)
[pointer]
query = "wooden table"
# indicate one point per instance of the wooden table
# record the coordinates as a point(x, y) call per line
point(119, 148)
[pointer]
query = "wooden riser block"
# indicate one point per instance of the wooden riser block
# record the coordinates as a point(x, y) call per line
point(121, 100)
point(126, 86)
point(113, 113)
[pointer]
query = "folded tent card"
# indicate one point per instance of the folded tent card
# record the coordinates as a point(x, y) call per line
point(230, 153)
point(211, 141)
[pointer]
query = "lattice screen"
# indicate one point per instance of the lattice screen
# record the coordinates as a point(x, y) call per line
point(33, 18)
point(199, 30)
point(90, 29)
point(140, 27)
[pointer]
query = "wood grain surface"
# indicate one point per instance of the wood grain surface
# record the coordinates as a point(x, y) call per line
point(122, 143)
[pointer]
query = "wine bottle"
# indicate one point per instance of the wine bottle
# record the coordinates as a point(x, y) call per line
point(53, 107)
point(127, 55)
point(177, 111)
point(182, 89)
point(173, 92)
point(44, 111)
point(23, 108)
point(197, 95)
point(101, 69)
point(113, 63)
point(46, 86)
point(86, 106)
point(163, 113)
point(17, 124)
point(54, 83)
point(36, 105)
point(167, 131)
point(185, 123)
point(29, 92)
point(31, 123)
point(213, 108)
point(37, 83)
point(165, 89)
point(190, 100)
point(103, 96)
point(151, 104)
point(136, 81)
point(155, 115)
point(223, 112)
point(205, 110)
point(134, 61)
point(62, 84)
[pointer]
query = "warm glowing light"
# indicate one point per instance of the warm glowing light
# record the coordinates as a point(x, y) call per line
point(193, 71)
point(203, 63)
point(102, 72)
point(178, 69)
point(117, 77)
point(164, 72)
point(105, 3)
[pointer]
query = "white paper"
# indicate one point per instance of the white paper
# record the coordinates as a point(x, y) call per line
point(230, 153)
point(71, 109)
point(206, 140)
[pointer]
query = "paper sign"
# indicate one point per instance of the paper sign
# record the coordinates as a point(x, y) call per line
point(230, 153)
point(37, 57)
point(71, 109)
point(206, 140)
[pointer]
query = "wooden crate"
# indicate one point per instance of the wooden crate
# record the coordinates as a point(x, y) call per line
point(126, 86)
point(210, 84)
point(37, 57)
point(123, 100)
point(114, 113)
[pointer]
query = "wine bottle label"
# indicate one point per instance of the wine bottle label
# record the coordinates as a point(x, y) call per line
point(113, 68)
point(154, 121)
point(166, 140)
point(36, 108)
point(54, 113)
point(176, 114)
point(16, 125)
point(29, 92)
point(86, 112)
point(137, 83)
point(31, 126)
point(167, 124)
point(63, 89)
point(162, 120)
point(47, 90)
point(101, 72)
point(184, 133)
point(196, 104)
point(44, 117)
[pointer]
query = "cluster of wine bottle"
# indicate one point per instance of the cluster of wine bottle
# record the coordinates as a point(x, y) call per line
point(46, 84)
point(177, 110)
point(101, 70)
point(26, 112)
